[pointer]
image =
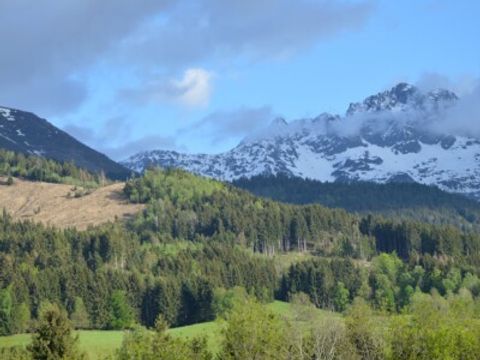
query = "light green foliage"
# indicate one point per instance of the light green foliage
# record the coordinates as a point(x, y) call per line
point(21, 320)
point(452, 281)
point(176, 185)
point(385, 281)
point(225, 300)
point(252, 332)
point(15, 353)
point(80, 318)
point(303, 309)
point(365, 332)
point(147, 345)
point(472, 283)
point(326, 339)
point(341, 297)
point(14, 317)
point(437, 329)
point(40, 169)
point(121, 313)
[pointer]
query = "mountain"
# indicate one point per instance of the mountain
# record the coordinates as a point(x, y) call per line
point(26, 133)
point(391, 136)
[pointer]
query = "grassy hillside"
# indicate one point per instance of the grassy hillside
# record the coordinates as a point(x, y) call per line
point(64, 205)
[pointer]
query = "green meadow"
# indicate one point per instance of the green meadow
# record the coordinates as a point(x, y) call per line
point(98, 344)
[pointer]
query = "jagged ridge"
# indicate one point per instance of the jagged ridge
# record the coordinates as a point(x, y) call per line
point(387, 137)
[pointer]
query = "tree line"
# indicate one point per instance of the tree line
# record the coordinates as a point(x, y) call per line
point(37, 168)
point(431, 328)
point(407, 201)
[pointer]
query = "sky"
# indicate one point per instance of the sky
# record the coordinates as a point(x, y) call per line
point(198, 76)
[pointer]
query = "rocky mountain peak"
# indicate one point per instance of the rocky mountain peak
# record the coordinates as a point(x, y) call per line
point(390, 138)
point(403, 97)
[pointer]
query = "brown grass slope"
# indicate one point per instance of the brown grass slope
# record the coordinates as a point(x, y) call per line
point(54, 204)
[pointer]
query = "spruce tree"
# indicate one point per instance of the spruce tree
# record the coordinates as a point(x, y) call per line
point(53, 339)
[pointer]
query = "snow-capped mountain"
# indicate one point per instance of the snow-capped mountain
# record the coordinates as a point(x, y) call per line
point(25, 132)
point(391, 136)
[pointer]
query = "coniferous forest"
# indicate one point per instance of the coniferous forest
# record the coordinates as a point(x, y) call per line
point(178, 261)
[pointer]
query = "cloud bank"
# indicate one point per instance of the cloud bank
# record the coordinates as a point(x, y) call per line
point(49, 46)
point(460, 118)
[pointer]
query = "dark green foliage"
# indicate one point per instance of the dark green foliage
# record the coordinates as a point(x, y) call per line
point(411, 239)
point(217, 211)
point(320, 278)
point(6, 305)
point(53, 338)
point(396, 200)
point(36, 168)
point(388, 284)
point(185, 206)
point(40, 264)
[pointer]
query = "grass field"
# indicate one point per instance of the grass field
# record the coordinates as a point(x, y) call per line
point(99, 344)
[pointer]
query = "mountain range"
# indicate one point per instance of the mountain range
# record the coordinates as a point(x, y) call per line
point(392, 136)
point(26, 133)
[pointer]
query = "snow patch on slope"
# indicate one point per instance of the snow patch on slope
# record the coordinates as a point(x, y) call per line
point(7, 114)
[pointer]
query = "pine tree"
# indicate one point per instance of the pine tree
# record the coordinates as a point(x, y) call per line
point(53, 339)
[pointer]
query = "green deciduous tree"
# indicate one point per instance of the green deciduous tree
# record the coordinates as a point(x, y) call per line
point(252, 332)
point(121, 313)
point(364, 331)
point(80, 318)
point(159, 345)
point(341, 297)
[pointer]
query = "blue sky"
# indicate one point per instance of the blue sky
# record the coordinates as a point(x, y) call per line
point(198, 76)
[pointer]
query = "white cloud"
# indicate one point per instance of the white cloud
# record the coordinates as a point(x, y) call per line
point(464, 117)
point(194, 88)
point(461, 85)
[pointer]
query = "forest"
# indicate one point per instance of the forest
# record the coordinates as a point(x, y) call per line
point(37, 168)
point(177, 262)
point(409, 201)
